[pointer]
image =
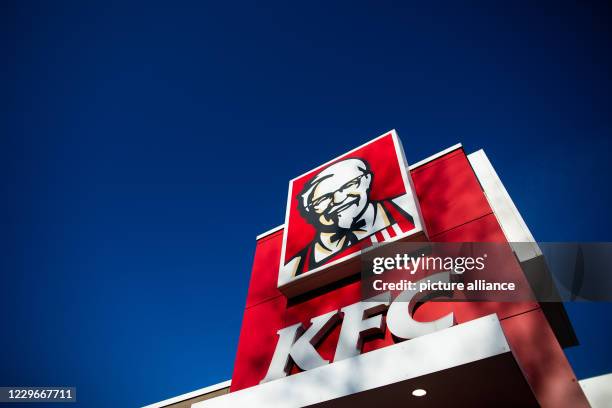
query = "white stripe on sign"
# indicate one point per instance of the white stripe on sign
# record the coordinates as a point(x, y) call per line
point(397, 229)
point(385, 234)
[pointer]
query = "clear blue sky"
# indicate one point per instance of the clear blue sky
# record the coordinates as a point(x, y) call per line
point(145, 145)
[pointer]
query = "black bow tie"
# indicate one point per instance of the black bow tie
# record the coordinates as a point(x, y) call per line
point(349, 233)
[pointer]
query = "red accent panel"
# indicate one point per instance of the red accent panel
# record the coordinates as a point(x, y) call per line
point(264, 275)
point(449, 193)
point(257, 342)
point(543, 362)
point(304, 311)
point(483, 229)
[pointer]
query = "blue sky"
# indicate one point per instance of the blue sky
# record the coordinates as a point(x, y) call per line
point(145, 145)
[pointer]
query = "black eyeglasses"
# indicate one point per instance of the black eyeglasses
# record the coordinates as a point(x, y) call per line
point(322, 203)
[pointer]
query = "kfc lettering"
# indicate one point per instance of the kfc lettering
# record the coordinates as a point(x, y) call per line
point(359, 320)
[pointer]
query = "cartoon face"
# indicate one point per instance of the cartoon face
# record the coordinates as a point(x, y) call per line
point(337, 196)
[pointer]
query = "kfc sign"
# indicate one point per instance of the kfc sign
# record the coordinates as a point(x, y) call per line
point(359, 320)
point(342, 207)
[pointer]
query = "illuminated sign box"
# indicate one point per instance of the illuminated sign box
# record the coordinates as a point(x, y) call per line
point(361, 198)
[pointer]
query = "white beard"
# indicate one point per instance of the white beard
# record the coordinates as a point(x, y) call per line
point(345, 221)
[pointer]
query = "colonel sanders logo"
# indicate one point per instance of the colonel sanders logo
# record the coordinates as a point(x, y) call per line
point(337, 203)
point(333, 212)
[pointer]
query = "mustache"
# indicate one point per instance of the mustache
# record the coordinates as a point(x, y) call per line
point(344, 204)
